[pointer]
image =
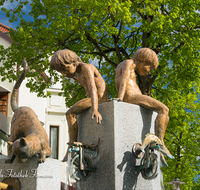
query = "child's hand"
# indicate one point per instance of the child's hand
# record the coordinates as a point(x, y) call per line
point(97, 115)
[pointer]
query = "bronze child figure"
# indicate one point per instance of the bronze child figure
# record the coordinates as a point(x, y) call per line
point(28, 137)
point(68, 64)
point(143, 61)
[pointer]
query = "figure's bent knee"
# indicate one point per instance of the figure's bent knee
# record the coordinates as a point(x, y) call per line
point(69, 114)
point(164, 110)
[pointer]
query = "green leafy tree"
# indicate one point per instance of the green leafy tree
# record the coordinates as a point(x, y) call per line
point(111, 31)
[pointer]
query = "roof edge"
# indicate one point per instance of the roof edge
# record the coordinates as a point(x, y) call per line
point(5, 27)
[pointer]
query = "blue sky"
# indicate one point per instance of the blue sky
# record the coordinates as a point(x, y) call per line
point(4, 20)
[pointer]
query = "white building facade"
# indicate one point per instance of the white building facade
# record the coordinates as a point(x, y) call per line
point(50, 111)
point(5, 93)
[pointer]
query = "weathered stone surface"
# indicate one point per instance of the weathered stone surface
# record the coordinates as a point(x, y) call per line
point(123, 125)
point(34, 176)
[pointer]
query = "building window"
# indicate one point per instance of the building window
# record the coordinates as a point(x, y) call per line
point(54, 137)
point(4, 103)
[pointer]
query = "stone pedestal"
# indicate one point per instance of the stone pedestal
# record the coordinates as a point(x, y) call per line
point(123, 125)
point(34, 176)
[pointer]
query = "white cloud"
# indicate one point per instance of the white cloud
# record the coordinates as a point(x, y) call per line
point(13, 5)
point(6, 22)
point(94, 62)
point(9, 5)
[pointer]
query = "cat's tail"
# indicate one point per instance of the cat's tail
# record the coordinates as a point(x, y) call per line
point(13, 102)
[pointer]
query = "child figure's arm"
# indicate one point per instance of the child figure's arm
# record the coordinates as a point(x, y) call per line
point(93, 93)
point(124, 77)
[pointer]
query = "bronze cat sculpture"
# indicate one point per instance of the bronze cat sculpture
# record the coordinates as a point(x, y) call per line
point(28, 137)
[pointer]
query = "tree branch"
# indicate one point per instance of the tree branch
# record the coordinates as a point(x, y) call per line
point(98, 53)
point(100, 50)
point(117, 48)
point(176, 48)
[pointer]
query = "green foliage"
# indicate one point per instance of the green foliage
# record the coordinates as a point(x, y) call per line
point(72, 91)
point(111, 31)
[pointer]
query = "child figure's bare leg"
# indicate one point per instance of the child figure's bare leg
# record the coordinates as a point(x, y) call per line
point(161, 119)
point(72, 126)
point(160, 128)
point(72, 122)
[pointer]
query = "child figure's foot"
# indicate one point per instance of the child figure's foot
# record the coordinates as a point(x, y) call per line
point(65, 159)
point(163, 161)
point(165, 151)
point(66, 155)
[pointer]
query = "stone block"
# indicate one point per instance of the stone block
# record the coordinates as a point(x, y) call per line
point(33, 175)
point(122, 126)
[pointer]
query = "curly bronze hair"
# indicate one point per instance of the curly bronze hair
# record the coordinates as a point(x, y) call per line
point(146, 55)
point(63, 57)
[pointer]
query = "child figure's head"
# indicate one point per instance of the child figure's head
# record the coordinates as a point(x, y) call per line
point(146, 60)
point(66, 62)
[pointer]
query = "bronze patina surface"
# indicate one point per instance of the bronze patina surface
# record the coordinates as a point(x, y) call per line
point(68, 64)
point(28, 137)
point(143, 61)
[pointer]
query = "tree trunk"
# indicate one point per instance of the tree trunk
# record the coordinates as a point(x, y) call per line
point(145, 84)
